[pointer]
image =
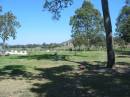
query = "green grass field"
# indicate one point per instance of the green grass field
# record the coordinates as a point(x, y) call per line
point(42, 74)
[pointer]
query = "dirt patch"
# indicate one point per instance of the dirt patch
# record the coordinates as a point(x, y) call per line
point(15, 88)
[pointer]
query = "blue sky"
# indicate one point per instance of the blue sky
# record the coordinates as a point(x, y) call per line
point(38, 26)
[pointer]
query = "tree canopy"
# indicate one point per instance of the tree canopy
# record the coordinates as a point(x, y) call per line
point(8, 26)
point(55, 6)
point(86, 24)
point(123, 24)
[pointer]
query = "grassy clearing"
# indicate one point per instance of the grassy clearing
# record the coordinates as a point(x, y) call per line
point(45, 74)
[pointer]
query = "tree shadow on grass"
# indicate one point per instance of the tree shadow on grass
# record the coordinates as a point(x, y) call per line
point(123, 63)
point(53, 57)
point(123, 56)
point(97, 65)
point(89, 65)
point(123, 52)
point(13, 71)
point(64, 81)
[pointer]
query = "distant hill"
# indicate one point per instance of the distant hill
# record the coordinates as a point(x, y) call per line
point(67, 43)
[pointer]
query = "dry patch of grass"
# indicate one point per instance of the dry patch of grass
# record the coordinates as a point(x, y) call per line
point(14, 88)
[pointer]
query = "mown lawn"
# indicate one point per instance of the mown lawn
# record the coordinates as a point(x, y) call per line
point(42, 74)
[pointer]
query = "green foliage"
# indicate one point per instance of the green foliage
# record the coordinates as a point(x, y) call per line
point(8, 26)
point(119, 43)
point(55, 6)
point(123, 24)
point(128, 2)
point(86, 24)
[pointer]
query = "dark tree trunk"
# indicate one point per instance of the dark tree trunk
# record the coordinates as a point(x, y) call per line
point(108, 30)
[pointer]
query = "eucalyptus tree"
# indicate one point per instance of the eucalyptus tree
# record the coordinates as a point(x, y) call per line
point(1, 19)
point(56, 6)
point(87, 23)
point(9, 26)
point(108, 30)
point(123, 23)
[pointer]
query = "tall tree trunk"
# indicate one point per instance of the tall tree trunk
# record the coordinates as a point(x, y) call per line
point(4, 45)
point(108, 30)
